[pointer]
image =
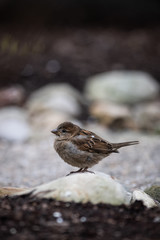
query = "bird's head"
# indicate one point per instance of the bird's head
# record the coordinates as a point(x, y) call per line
point(66, 130)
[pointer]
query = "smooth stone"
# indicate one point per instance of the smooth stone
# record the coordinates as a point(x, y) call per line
point(122, 87)
point(84, 187)
point(14, 125)
point(139, 195)
point(55, 97)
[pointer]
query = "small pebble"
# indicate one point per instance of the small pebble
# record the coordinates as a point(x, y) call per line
point(59, 220)
point(156, 219)
point(13, 231)
point(53, 66)
point(57, 214)
point(83, 219)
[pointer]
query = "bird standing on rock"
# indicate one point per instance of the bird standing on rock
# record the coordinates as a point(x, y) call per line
point(81, 148)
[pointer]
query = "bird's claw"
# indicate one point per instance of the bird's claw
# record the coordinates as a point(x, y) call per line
point(81, 170)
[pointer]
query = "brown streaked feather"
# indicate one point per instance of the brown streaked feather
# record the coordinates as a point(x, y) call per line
point(95, 144)
point(90, 144)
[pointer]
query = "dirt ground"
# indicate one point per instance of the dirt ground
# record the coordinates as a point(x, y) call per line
point(25, 218)
point(79, 53)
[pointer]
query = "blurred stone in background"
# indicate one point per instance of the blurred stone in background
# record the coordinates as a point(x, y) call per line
point(14, 125)
point(53, 104)
point(14, 95)
point(56, 97)
point(122, 86)
point(147, 116)
point(111, 114)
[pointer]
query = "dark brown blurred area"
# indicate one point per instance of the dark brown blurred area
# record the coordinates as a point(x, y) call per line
point(68, 41)
point(84, 12)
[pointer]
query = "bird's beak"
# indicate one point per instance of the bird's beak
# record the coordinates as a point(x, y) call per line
point(55, 131)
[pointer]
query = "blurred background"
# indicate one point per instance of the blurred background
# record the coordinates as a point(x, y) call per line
point(95, 63)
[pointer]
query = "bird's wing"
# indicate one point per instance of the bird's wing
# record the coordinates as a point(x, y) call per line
point(92, 143)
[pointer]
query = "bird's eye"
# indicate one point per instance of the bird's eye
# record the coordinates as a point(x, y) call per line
point(64, 131)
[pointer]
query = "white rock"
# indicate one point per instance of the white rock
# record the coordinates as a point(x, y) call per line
point(122, 86)
point(13, 124)
point(144, 197)
point(84, 187)
point(55, 97)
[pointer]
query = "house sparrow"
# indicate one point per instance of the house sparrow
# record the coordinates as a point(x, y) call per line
point(81, 148)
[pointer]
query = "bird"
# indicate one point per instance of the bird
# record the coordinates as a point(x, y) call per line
point(82, 148)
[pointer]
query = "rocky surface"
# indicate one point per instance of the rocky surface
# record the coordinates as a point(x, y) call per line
point(122, 87)
point(84, 187)
point(90, 187)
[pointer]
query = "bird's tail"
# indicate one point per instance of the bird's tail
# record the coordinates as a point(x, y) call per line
point(124, 144)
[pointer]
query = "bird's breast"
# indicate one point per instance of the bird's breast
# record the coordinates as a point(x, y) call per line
point(67, 149)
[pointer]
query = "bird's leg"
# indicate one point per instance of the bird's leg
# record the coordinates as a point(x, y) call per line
point(79, 170)
point(86, 170)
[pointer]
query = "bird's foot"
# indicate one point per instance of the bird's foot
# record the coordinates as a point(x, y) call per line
point(86, 170)
point(81, 170)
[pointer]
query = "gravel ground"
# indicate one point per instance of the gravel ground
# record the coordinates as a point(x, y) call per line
point(36, 162)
